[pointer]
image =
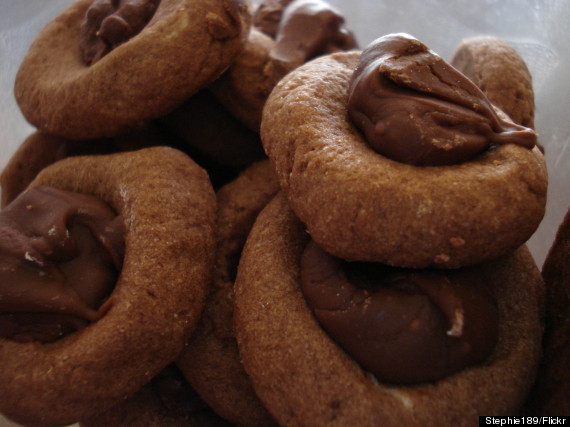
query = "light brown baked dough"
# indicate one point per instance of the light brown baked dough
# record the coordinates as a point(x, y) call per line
point(305, 379)
point(186, 45)
point(211, 361)
point(501, 73)
point(360, 205)
point(168, 207)
point(551, 396)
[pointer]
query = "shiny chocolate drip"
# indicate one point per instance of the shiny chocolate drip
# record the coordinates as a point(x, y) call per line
point(110, 23)
point(60, 254)
point(404, 326)
point(415, 108)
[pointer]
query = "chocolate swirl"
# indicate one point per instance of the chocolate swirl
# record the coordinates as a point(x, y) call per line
point(60, 253)
point(415, 108)
point(404, 326)
point(110, 23)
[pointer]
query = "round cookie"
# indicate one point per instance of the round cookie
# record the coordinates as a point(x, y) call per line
point(360, 205)
point(211, 361)
point(185, 45)
point(501, 73)
point(304, 378)
point(168, 207)
point(551, 396)
point(303, 29)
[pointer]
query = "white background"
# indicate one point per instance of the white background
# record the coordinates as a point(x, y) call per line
point(537, 28)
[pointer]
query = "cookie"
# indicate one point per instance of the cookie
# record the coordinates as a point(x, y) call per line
point(305, 378)
point(168, 208)
point(126, 77)
point(211, 361)
point(501, 72)
point(307, 29)
point(304, 29)
point(551, 396)
point(359, 204)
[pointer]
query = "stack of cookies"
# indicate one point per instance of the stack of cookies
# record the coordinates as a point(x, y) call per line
point(381, 282)
point(229, 215)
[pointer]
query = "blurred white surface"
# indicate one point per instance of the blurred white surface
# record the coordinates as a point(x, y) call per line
point(537, 28)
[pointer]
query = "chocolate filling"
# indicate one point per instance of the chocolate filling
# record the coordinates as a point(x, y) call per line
point(404, 326)
point(267, 16)
point(110, 23)
point(303, 29)
point(60, 254)
point(415, 108)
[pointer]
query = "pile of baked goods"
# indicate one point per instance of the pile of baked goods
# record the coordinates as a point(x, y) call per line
point(229, 214)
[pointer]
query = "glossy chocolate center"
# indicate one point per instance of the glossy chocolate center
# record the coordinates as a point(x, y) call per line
point(110, 23)
point(415, 108)
point(404, 326)
point(60, 254)
point(310, 28)
point(303, 29)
